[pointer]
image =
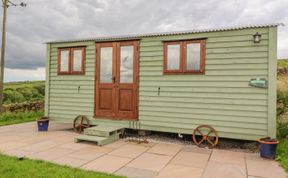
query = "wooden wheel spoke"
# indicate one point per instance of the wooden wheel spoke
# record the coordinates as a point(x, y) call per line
point(80, 123)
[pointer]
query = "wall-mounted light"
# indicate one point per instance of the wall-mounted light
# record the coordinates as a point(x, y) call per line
point(257, 37)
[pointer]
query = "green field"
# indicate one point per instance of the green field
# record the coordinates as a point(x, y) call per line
point(16, 85)
point(11, 167)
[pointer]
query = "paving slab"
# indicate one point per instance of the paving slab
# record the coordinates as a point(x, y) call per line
point(130, 151)
point(131, 172)
point(165, 149)
point(131, 159)
point(226, 156)
point(149, 161)
point(41, 146)
point(74, 146)
point(51, 154)
point(11, 145)
point(107, 163)
point(90, 153)
point(34, 139)
point(195, 149)
point(177, 171)
point(192, 159)
point(116, 144)
point(69, 161)
point(19, 152)
point(9, 138)
point(217, 169)
point(259, 167)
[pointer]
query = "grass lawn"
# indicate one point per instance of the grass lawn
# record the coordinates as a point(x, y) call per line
point(282, 153)
point(12, 167)
point(8, 118)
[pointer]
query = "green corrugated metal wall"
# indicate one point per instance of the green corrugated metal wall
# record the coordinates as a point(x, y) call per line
point(221, 97)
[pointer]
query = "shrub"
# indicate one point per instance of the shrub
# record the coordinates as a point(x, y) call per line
point(41, 89)
point(282, 130)
point(282, 106)
point(29, 93)
point(12, 96)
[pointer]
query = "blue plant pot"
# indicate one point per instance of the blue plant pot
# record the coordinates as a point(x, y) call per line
point(43, 124)
point(268, 149)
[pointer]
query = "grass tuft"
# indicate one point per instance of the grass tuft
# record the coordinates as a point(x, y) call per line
point(282, 153)
point(12, 167)
point(8, 118)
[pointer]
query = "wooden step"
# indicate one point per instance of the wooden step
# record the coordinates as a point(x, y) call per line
point(103, 130)
point(99, 140)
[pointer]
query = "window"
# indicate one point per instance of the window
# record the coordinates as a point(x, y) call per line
point(71, 60)
point(184, 57)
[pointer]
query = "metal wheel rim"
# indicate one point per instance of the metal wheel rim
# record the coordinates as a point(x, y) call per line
point(205, 137)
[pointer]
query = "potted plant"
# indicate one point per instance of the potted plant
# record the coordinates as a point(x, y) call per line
point(268, 147)
point(43, 123)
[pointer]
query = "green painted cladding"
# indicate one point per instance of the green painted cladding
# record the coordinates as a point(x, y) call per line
point(221, 98)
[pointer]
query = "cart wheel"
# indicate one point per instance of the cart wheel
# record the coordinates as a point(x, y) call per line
point(207, 134)
point(80, 123)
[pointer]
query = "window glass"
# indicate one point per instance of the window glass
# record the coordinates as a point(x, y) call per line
point(126, 64)
point(193, 56)
point(173, 57)
point(64, 57)
point(106, 57)
point(77, 60)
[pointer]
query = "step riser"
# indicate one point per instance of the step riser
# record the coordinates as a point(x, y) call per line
point(101, 132)
point(101, 135)
point(105, 141)
point(98, 133)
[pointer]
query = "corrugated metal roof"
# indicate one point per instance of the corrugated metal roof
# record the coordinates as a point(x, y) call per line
point(138, 36)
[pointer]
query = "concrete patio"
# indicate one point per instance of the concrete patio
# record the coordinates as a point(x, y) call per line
point(161, 160)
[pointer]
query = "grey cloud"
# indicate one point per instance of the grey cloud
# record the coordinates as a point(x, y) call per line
point(42, 20)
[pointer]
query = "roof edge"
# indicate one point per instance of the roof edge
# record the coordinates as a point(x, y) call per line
point(138, 36)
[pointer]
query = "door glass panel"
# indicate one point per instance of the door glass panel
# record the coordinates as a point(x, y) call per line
point(173, 57)
point(77, 60)
point(106, 58)
point(193, 56)
point(64, 56)
point(126, 64)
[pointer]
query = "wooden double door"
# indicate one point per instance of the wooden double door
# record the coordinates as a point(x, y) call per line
point(116, 83)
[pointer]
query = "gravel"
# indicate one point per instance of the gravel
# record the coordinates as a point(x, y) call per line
point(185, 139)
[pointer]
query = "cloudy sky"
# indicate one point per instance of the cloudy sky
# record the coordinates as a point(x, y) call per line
point(45, 20)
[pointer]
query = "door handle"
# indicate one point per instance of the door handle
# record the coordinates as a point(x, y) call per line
point(114, 79)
